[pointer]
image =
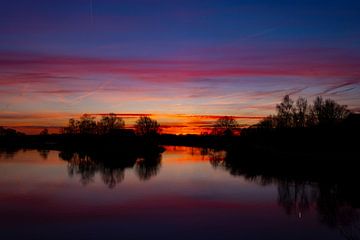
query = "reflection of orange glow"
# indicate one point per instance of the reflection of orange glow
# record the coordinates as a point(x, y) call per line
point(182, 150)
point(179, 154)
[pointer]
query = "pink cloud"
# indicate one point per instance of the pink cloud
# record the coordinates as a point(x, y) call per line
point(286, 63)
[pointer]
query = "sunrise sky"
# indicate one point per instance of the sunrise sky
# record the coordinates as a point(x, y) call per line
point(184, 62)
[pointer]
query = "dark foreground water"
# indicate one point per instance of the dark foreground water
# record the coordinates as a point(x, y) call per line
point(184, 193)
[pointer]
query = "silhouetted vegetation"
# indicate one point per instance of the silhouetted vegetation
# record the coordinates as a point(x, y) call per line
point(8, 132)
point(296, 128)
point(145, 126)
point(299, 114)
point(225, 126)
point(110, 124)
point(302, 129)
point(87, 125)
point(309, 151)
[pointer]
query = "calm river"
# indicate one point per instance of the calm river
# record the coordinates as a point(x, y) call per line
point(184, 193)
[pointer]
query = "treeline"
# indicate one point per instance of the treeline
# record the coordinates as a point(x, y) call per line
point(9, 132)
point(298, 127)
point(300, 114)
point(290, 114)
point(111, 124)
point(293, 114)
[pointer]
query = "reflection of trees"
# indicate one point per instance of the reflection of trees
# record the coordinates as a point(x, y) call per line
point(44, 153)
point(8, 153)
point(86, 165)
point(83, 166)
point(296, 197)
point(216, 158)
point(336, 203)
point(338, 207)
point(334, 209)
point(204, 151)
point(111, 177)
point(111, 165)
point(148, 166)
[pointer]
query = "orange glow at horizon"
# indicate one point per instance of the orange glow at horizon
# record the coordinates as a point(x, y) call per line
point(170, 123)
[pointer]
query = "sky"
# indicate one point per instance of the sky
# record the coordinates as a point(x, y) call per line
point(182, 62)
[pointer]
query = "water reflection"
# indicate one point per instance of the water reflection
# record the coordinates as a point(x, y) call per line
point(44, 153)
point(336, 203)
point(187, 180)
point(338, 207)
point(296, 197)
point(8, 153)
point(148, 166)
point(111, 165)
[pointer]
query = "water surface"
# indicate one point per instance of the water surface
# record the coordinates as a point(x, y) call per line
point(183, 193)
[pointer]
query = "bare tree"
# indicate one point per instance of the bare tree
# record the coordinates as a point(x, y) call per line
point(87, 124)
point(109, 123)
point(145, 126)
point(328, 112)
point(285, 112)
point(225, 126)
point(73, 127)
point(300, 112)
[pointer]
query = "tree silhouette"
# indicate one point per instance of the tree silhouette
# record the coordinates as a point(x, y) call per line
point(145, 126)
point(87, 124)
point(300, 112)
point(44, 132)
point(267, 122)
point(285, 112)
point(225, 126)
point(323, 113)
point(9, 132)
point(328, 113)
point(73, 127)
point(109, 123)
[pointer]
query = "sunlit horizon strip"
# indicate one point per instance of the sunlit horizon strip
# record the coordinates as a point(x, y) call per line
point(170, 123)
